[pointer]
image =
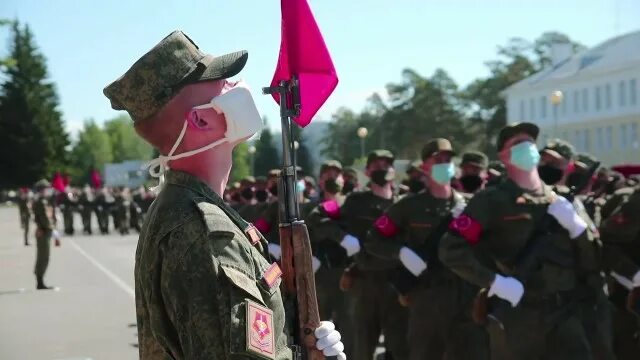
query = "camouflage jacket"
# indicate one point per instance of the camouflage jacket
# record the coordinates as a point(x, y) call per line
point(200, 275)
point(44, 214)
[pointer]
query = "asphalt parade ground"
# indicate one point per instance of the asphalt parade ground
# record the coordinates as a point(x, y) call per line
point(92, 313)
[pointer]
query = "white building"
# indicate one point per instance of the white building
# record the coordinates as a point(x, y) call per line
point(599, 111)
point(127, 173)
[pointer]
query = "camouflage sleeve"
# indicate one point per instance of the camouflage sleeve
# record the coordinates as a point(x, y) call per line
point(385, 238)
point(618, 233)
point(40, 215)
point(456, 247)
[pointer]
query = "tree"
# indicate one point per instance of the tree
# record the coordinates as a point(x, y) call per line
point(266, 156)
point(125, 143)
point(240, 167)
point(31, 126)
point(303, 156)
point(91, 151)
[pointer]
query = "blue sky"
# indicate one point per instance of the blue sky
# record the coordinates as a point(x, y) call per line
point(88, 44)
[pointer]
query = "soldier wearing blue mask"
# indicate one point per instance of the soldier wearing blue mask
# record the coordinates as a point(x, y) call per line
point(537, 248)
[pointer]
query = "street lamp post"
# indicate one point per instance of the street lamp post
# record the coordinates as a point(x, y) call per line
point(362, 134)
point(556, 99)
point(252, 152)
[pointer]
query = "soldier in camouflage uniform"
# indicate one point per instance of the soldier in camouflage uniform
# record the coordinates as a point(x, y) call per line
point(102, 206)
point(473, 172)
point(44, 217)
point(558, 167)
point(24, 207)
point(409, 233)
point(350, 180)
point(373, 302)
point(415, 177)
point(251, 212)
point(68, 208)
point(532, 312)
point(205, 288)
point(86, 206)
point(620, 234)
point(122, 208)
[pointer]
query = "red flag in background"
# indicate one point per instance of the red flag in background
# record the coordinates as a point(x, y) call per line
point(304, 54)
point(57, 182)
point(96, 179)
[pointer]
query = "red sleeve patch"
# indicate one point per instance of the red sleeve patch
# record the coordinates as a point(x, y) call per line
point(386, 226)
point(332, 209)
point(262, 225)
point(468, 228)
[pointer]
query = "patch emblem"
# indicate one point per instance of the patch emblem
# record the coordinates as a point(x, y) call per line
point(253, 234)
point(260, 330)
point(386, 226)
point(467, 227)
point(272, 274)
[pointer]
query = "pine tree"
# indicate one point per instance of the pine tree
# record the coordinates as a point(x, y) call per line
point(266, 156)
point(31, 126)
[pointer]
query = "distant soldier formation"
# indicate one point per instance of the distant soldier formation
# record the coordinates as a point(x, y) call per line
point(533, 256)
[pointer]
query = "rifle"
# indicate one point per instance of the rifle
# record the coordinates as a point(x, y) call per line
point(528, 260)
point(297, 271)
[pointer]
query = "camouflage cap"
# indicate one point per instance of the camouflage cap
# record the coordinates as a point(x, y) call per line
point(559, 149)
point(163, 71)
point(512, 130)
point(435, 146)
point(248, 180)
point(585, 161)
point(475, 158)
point(380, 154)
point(415, 165)
point(350, 171)
point(42, 183)
point(273, 173)
point(330, 164)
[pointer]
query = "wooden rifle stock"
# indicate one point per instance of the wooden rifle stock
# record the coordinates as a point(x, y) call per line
point(299, 281)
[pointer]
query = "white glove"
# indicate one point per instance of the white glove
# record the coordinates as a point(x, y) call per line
point(351, 244)
point(507, 288)
point(636, 279)
point(566, 214)
point(623, 280)
point(55, 234)
point(458, 209)
point(412, 261)
point(315, 263)
point(275, 251)
point(329, 340)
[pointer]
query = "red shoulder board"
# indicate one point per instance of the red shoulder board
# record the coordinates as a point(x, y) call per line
point(262, 225)
point(386, 226)
point(332, 209)
point(467, 227)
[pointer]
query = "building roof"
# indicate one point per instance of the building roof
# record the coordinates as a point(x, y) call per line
point(614, 54)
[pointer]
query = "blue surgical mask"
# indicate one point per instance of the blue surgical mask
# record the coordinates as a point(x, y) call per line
point(525, 156)
point(442, 173)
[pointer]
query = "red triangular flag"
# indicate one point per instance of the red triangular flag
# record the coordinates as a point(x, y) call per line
point(304, 54)
point(96, 180)
point(57, 182)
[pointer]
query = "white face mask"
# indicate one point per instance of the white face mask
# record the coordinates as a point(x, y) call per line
point(242, 118)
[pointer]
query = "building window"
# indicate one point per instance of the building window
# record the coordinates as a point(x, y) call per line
point(633, 92)
point(607, 96)
point(532, 110)
point(623, 136)
point(587, 140)
point(633, 136)
point(585, 100)
point(576, 102)
point(622, 94)
point(522, 110)
point(609, 138)
point(563, 106)
point(543, 107)
point(598, 99)
point(599, 140)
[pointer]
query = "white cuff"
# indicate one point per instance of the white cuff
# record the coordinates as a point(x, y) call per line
point(275, 251)
point(351, 244)
point(636, 279)
point(315, 263)
point(623, 280)
point(412, 261)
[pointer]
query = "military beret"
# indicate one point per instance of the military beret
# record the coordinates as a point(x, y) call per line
point(162, 72)
point(436, 146)
point(380, 154)
point(512, 130)
point(559, 149)
point(475, 158)
point(330, 164)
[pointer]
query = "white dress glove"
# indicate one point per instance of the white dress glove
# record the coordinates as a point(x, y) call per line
point(315, 263)
point(412, 261)
point(628, 284)
point(636, 279)
point(567, 217)
point(275, 251)
point(507, 288)
point(351, 244)
point(55, 234)
point(458, 209)
point(328, 340)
